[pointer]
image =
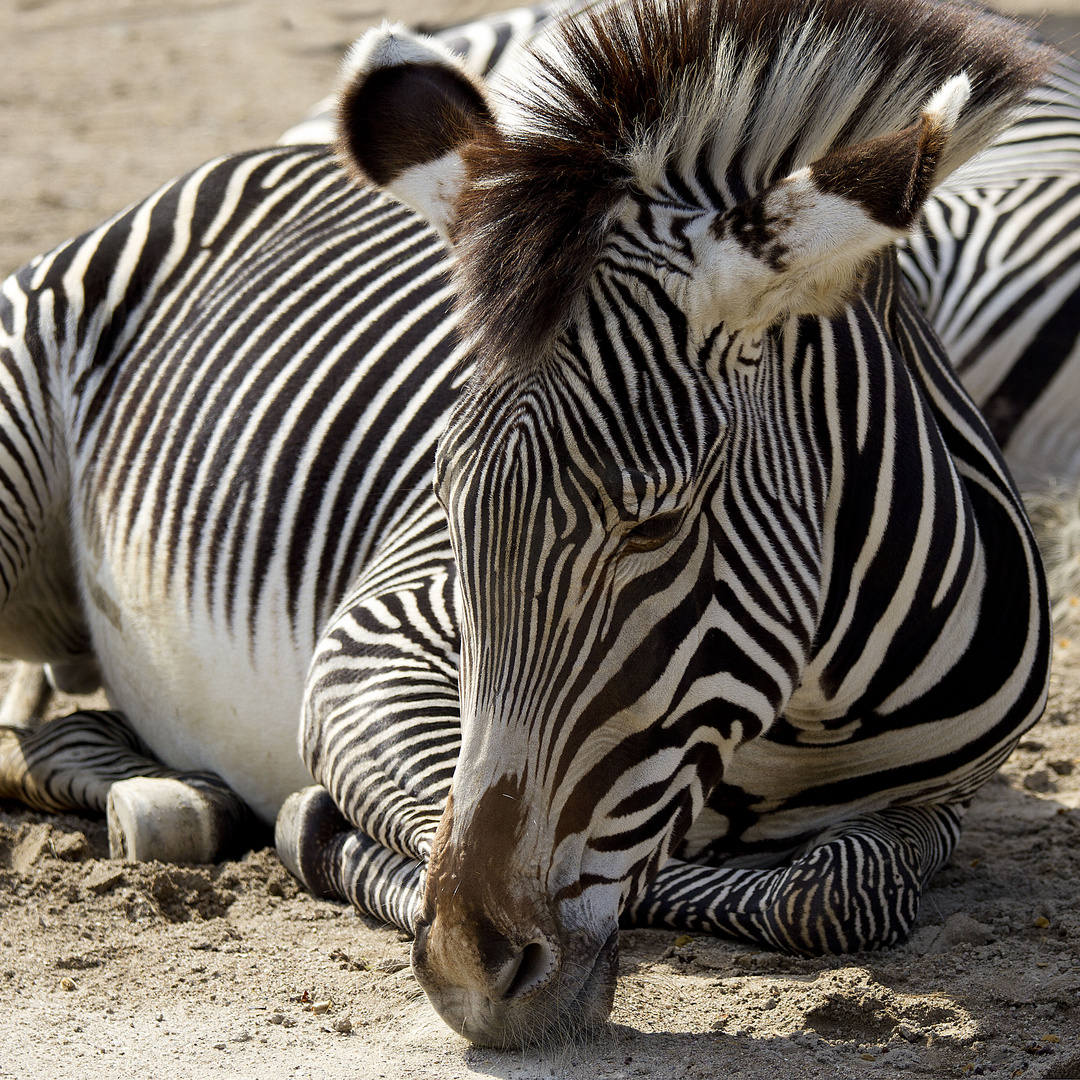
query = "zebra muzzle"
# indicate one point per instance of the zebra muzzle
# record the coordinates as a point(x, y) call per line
point(497, 992)
point(504, 962)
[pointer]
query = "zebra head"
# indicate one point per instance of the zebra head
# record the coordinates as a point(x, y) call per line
point(691, 392)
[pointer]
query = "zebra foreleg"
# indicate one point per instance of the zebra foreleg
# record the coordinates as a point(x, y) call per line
point(92, 761)
point(856, 887)
point(380, 733)
point(334, 859)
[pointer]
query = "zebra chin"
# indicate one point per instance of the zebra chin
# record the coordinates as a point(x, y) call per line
point(542, 995)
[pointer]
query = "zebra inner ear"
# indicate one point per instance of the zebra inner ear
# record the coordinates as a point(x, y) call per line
point(799, 248)
point(406, 108)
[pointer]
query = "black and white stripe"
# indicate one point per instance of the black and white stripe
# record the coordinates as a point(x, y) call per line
point(727, 621)
point(995, 263)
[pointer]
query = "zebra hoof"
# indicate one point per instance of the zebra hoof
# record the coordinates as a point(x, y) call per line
point(306, 826)
point(162, 819)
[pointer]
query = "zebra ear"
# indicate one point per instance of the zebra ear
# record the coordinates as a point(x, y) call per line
point(799, 247)
point(406, 108)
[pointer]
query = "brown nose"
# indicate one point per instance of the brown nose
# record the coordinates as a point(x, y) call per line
point(479, 978)
point(495, 991)
point(515, 971)
point(501, 964)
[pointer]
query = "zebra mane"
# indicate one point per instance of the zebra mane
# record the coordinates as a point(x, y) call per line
point(620, 95)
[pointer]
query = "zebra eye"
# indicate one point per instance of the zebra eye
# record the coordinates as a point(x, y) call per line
point(653, 532)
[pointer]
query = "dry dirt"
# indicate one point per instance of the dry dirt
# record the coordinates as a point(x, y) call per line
point(118, 970)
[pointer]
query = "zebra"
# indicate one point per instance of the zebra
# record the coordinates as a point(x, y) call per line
point(993, 262)
point(257, 465)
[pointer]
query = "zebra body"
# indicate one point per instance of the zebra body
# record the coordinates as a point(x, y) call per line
point(994, 263)
point(202, 646)
point(234, 393)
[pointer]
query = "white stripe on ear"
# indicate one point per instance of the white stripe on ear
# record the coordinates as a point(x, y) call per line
point(392, 45)
point(943, 109)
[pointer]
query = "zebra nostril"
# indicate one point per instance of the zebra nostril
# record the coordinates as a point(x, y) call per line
point(529, 970)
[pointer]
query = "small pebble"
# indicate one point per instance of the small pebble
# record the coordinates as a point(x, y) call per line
point(103, 878)
point(67, 984)
point(344, 1025)
point(961, 929)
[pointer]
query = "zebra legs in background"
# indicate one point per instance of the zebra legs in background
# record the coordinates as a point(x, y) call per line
point(857, 887)
point(23, 705)
point(31, 688)
point(92, 761)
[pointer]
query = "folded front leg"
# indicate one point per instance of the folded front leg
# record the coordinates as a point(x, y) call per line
point(381, 735)
point(334, 859)
point(856, 887)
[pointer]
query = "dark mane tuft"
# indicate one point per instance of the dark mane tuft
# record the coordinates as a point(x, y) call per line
point(622, 93)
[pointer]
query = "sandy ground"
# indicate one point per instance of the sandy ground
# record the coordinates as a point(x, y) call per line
point(117, 970)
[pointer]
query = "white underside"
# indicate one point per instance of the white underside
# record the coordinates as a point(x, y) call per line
point(203, 699)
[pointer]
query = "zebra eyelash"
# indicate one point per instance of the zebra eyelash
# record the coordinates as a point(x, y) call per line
point(653, 532)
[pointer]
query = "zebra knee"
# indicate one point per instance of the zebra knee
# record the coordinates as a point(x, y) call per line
point(859, 886)
point(176, 819)
point(336, 860)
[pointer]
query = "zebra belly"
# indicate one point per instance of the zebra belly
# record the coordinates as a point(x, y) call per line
point(203, 698)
